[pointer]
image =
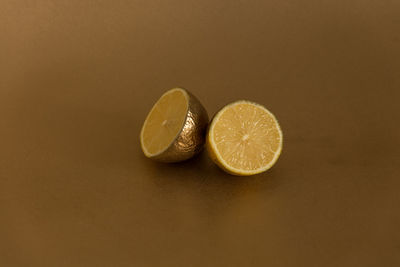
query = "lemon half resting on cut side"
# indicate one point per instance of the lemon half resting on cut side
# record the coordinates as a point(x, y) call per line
point(175, 128)
point(244, 138)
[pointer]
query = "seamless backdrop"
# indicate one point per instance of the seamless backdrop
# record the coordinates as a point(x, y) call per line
point(77, 79)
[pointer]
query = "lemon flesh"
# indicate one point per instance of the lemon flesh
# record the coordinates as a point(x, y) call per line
point(244, 138)
point(164, 122)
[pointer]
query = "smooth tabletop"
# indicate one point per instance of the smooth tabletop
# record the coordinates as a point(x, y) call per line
point(77, 78)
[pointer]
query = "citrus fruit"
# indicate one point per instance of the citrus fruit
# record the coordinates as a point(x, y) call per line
point(244, 138)
point(175, 128)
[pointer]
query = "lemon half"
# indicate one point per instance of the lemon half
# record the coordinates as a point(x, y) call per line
point(175, 128)
point(244, 138)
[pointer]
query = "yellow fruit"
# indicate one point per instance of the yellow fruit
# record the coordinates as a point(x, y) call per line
point(175, 128)
point(244, 138)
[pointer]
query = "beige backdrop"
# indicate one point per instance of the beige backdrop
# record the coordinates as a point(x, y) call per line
point(77, 79)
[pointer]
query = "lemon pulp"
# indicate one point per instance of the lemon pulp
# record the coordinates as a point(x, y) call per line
point(245, 138)
point(164, 122)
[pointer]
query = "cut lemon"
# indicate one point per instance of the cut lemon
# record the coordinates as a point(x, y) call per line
point(244, 138)
point(175, 128)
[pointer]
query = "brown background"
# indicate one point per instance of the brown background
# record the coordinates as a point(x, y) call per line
point(78, 78)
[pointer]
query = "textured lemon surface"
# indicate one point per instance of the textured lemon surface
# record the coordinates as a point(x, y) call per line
point(244, 138)
point(164, 122)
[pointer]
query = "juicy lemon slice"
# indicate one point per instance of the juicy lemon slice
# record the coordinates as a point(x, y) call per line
point(174, 130)
point(244, 138)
